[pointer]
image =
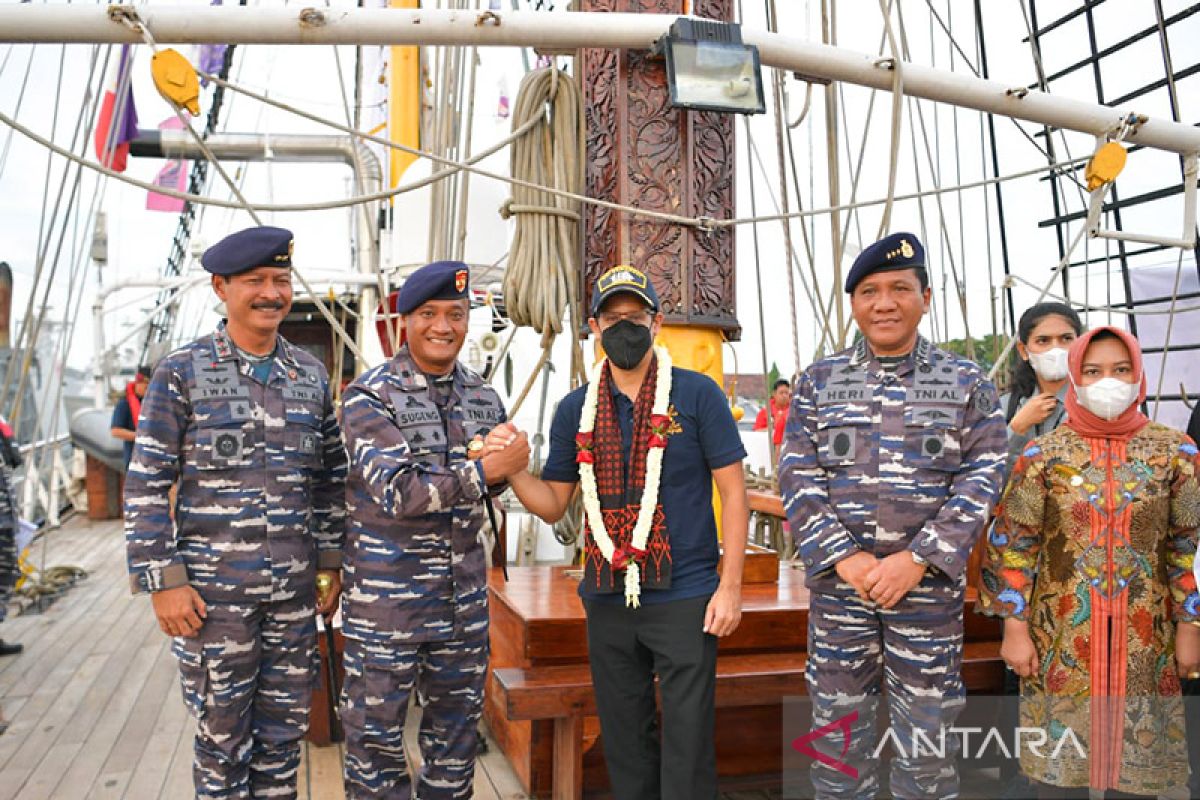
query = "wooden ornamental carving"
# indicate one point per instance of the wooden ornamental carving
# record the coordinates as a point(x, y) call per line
point(643, 153)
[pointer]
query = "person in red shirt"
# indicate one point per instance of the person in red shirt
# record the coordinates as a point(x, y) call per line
point(781, 398)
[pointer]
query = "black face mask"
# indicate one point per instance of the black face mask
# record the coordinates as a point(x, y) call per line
point(626, 343)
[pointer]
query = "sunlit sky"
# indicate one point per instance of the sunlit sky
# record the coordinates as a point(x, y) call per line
point(938, 145)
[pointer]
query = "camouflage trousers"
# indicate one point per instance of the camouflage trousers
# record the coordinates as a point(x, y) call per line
point(248, 679)
point(8, 567)
point(448, 678)
point(915, 650)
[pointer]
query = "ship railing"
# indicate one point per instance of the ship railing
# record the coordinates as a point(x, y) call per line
point(44, 479)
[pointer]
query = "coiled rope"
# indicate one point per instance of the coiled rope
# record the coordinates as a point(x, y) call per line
point(543, 262)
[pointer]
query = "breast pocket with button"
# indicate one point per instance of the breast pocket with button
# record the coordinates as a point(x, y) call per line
point(843, 438)
point(932, 437)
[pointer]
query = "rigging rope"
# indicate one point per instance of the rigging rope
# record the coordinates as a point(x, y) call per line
point(1062, 264)
point(31, 325)
point(762, 318)
point(233, 187)
point(20, 100)
point(1063, 167)
point(885, 6)
point(812, 291)
point(781, 130)
point(947, 252)
point(1107, 309)
point(543, 261)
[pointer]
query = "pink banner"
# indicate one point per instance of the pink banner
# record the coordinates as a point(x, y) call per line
point(173, 175)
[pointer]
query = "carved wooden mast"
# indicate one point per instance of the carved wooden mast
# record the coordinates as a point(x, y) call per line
point(644, 153)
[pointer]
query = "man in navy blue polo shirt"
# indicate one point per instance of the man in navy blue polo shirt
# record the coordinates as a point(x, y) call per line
point(645, 442)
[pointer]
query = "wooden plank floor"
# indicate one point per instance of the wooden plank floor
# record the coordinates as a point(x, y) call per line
point(94, 701)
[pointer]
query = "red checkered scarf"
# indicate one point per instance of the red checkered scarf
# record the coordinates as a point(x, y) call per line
point(620, 502)
point(609, 464)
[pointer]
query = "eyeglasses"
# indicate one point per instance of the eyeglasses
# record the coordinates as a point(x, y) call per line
point(607, 318)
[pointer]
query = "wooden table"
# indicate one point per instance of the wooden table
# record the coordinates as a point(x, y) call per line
point(537, 620)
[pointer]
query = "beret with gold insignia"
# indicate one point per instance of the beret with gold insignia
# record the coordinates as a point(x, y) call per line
point(893, 252)
point(264, 246)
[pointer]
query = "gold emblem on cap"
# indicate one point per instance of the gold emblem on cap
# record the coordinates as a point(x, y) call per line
point(460, 280)
point(622, 275)
point(905, 249)
point(288, 257)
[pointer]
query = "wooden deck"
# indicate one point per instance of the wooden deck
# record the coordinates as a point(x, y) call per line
point(94, 701)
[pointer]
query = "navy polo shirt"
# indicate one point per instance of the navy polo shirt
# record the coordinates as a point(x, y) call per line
point(707, 440)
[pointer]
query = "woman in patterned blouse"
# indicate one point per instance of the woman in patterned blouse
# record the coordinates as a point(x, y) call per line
point(1090, 565)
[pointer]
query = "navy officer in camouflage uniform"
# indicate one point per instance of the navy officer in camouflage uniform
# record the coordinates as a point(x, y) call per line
point(415, 606)
point(244, 422)
point(10, 570)
point(893, 456)
point(10, 459)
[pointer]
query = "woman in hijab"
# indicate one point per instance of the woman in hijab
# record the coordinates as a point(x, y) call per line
point(1090, 565)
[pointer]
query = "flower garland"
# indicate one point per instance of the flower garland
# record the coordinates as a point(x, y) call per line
point(626, 557)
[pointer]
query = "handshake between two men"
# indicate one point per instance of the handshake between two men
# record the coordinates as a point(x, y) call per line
point(504, 456)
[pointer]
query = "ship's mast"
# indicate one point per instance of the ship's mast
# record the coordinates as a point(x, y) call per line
point(175, 25)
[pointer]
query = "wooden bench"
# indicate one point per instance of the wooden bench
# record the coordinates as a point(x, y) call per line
point(564, 694)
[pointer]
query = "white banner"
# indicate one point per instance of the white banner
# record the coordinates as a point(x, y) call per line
point(1178, 369)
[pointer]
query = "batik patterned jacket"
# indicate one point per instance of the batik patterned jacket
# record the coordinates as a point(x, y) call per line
point(1093, 546)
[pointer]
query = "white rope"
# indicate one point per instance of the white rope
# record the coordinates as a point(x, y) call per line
point(1000, 359)
point(20, 102)
point(815, 298)
point(1108, 309)
point(781, 131)
point(543, 261)
point(31, 325)
point(897, 117)
point(233, 187)
point(694, 222)
point(1166, 345)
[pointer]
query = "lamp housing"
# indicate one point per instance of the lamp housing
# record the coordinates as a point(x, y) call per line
point(710, 69)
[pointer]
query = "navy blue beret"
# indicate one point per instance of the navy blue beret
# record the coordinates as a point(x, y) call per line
point(892, 252)
point(441, 280)
point(624, 278)
point(263, 246)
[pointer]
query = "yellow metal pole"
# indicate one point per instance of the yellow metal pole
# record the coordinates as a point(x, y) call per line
point(696, 348)
point(404, 107)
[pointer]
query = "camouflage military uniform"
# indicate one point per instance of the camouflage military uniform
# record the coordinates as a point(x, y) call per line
point(883, 462)
point(261, 472)
point(8, 521)
point(415, 598)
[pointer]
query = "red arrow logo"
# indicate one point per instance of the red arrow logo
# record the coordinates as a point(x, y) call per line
point(802, 744)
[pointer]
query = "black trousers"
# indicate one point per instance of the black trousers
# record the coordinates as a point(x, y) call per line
point(628, 648)
point(1191, 694)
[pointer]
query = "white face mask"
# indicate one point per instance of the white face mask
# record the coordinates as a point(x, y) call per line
point(1050, 365)
point(1108, 398)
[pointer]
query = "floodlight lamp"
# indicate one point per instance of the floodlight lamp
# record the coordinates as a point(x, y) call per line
point(709, 69)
